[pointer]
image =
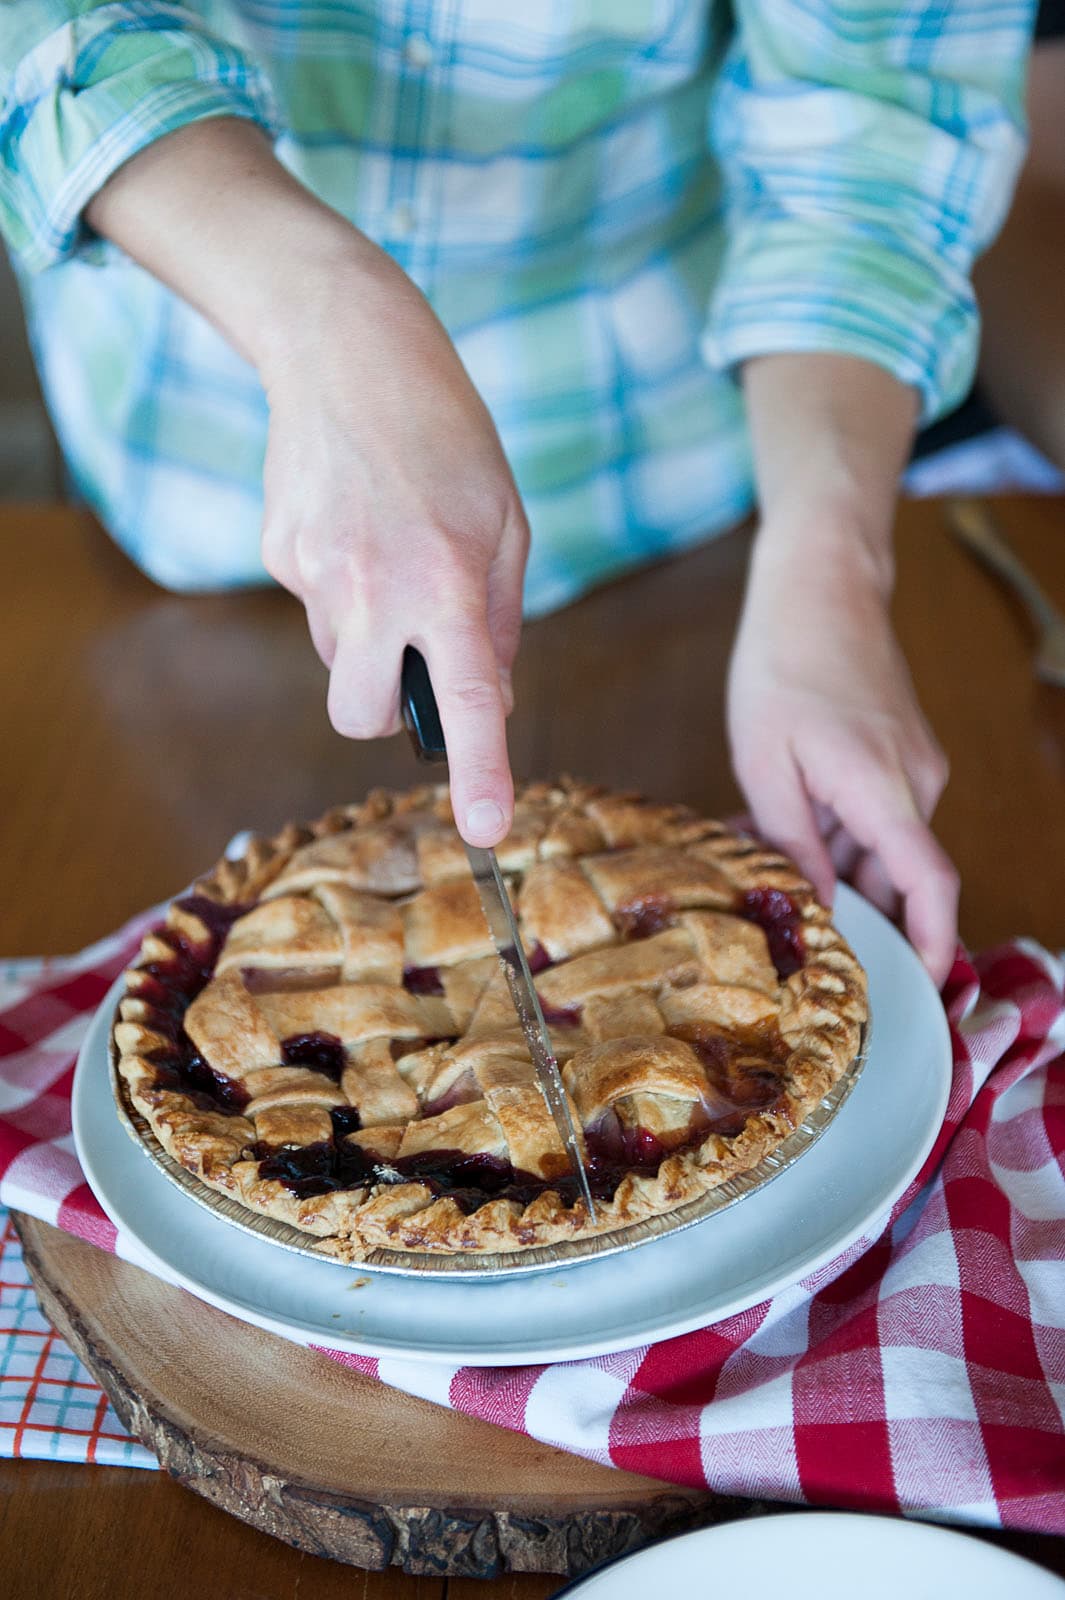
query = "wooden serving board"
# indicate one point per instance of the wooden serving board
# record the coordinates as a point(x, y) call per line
point(326, 1459)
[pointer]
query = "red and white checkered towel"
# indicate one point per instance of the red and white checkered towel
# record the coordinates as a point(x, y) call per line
point(922, 1371)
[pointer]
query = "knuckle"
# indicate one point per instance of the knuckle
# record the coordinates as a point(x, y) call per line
point(276, 555)
point(451, 578)
point(475, 695)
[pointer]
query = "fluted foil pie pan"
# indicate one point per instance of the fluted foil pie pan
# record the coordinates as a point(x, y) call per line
point(481, 1265)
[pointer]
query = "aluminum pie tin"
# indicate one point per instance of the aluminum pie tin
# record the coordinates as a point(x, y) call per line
point(491, 1266)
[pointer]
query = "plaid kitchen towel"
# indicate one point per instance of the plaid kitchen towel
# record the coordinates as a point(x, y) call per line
point(921, 1371)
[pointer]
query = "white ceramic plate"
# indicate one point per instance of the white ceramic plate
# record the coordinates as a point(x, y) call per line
point(776, 1235)
point(821, 1555)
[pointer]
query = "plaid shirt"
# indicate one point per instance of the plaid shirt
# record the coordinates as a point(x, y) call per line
point(610, 203)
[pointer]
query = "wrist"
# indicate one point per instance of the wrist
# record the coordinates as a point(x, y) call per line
point(826, 544)
point(822, 571)
point(306, 292)
point(339, 298)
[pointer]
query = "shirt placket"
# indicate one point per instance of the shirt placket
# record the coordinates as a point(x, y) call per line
point(411, 218)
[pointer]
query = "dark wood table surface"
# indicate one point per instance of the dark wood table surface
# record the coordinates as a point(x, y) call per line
point(140, 730)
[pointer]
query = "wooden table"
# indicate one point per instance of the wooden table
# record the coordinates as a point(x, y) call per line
point(141, 730)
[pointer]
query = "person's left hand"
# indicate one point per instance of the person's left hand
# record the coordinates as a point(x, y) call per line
point(839, 767)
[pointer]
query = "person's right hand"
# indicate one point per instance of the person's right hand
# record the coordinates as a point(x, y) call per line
point(391, 512)
point(389, 506)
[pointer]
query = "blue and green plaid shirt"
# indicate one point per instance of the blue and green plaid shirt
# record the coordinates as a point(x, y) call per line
point(610, 203)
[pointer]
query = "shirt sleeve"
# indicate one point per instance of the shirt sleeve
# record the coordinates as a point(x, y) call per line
point(84, 87)
point(869, 154)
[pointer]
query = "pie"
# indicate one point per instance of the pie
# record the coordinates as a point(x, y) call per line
point(321, 1030)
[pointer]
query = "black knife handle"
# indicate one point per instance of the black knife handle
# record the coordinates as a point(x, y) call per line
point(421, 715)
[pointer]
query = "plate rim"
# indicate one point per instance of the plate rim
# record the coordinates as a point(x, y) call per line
point(577, 1346)
point(901, 1525)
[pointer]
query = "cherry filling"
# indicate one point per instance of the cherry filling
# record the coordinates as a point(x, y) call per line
point(322, 1051)
point(560, 1016)
point(183, 1069)
point(171, 985)
point(423, 980)
point(737, 1089)
point(538, 958)
point(781, 920)
point(320, 1168)
point(470, 1180)
point(612, 1144)
point(713, 1049)
point(345, 1120)
point(641, 918)
point(464, 1090)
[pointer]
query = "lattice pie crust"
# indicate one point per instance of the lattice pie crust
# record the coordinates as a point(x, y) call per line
point(322, 1032)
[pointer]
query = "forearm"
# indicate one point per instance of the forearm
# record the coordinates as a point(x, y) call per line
point(365, 516)
point(830, 435)
point(828, 741)
point(212, 213)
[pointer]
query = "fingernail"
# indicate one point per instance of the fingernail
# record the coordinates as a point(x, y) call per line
point(484, 822)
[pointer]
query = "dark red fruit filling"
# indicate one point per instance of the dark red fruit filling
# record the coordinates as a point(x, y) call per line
point(345, 1120)
point(322, 1051)
point(538, 958)
point(646, 916)
point(781, 920)
point(613, 1144)
point(317, 1168)
point(713, 1050)
point(217, 916)
point(737, 1089)
point(184, 1070)
point(561, 1016)
point(423, 980)
point(464, 1090)
point(171, 985)
point(470, 1180)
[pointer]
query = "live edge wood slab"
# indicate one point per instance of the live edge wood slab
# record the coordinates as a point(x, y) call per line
point(328, 1460)
point(175, 720)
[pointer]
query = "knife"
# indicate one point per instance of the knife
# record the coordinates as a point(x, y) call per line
point(422, 719)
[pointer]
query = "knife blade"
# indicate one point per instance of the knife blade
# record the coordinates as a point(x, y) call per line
point(499, 914)
point(421, 717)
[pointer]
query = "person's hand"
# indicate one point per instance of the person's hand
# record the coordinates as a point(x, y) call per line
point(389, 506)
point(391, 512)
point(836, 760)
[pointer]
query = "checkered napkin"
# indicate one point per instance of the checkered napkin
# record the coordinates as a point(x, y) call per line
point(923, 1370)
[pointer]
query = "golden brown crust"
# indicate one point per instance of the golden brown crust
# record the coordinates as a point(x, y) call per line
point(345, 902)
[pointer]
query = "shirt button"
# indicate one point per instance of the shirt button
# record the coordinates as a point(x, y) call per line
point(418, 52)
point(402, 220)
